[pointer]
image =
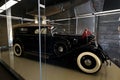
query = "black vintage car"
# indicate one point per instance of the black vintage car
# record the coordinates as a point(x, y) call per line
point(88, 55)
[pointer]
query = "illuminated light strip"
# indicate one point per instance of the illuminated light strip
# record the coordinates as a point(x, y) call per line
point(7, 5)
point(42, 6)
point(17, 18)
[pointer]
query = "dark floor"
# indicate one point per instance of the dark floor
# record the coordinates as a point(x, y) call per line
point(30, 70)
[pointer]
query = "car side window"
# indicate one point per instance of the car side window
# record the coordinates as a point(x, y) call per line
point(22, 30)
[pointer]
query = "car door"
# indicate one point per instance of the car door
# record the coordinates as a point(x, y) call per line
point(31, 40)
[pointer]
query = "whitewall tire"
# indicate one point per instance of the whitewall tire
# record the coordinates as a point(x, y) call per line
point(88, 62)
point(17, 49)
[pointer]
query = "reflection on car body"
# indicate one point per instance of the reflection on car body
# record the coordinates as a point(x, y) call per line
point(82, 48)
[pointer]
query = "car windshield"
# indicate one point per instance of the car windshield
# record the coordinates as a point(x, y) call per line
point(42, 31)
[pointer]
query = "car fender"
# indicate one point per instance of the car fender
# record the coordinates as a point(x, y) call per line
point(99, 52)
point(63, 43)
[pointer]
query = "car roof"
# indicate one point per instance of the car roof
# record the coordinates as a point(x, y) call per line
point(30, 25)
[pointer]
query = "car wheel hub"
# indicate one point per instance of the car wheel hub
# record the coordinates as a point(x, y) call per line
point(60, 49)
point(17, 49)
point(88, 62)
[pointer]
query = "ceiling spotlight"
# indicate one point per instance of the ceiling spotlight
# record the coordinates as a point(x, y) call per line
point(42, 6)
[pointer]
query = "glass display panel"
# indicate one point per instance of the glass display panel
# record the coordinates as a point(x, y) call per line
point(16, 18)
point(69, 26)
point(54, 39)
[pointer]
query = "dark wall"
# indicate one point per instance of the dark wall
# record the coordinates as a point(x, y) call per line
point(109, 35)
point(111, 4)
point(3, 32)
